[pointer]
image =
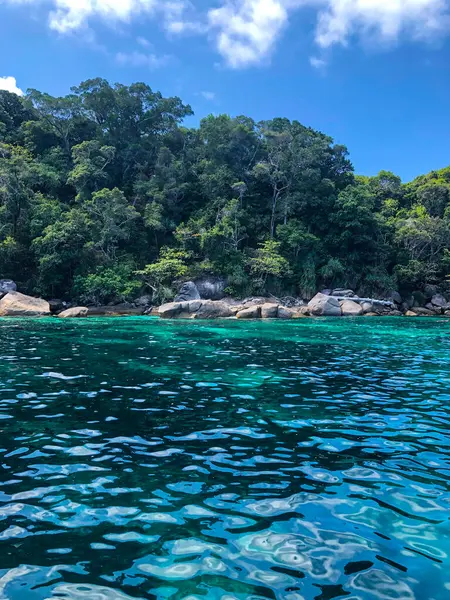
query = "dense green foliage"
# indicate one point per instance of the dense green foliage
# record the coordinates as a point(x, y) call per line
point(104, 193)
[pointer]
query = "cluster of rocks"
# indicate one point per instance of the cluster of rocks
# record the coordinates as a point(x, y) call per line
point(190, 303)
point(213, 309)
point(328, 303)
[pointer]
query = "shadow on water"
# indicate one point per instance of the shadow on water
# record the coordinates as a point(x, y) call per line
point(224, 460)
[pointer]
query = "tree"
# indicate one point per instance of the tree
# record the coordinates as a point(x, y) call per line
point(57, 114)
point(159, 276)
point(112, 221)
point(90, 162)
point(268, 261)
point(107, 180)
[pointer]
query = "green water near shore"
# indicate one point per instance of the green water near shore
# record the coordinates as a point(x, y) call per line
point(142, 458)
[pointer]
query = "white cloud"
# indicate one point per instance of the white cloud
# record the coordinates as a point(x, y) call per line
point(317, 63)
point(142, 41)
point(387, 20)
point(208, 95)
point(140, 59)
point(245, 32)
point(69, 15)
point(10, 85)
point(180, 26)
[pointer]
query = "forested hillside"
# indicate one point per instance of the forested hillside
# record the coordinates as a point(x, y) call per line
point(104, 193)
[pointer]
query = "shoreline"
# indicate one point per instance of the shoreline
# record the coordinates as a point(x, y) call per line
point(15, 304)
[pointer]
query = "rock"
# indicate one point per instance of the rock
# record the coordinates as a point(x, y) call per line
point(57, 305)
point(394, 296)
point(288, 301)
point(303, 311)
point(430, 290)
point(211, 288)
point(15, 304)
point(326, 292)
point(254, 312)
point(424, 312)
point(192, 306)
point(419, 299)
point(343, 293)
point(211, 309)
point(286, 313)
point(410, 313)
point(254, 301)
point(371, 314)
point(144, 301)
point(325, 306)
point(169, 310)
point(7, 285)
point(408, 302)
point(76, 311)
point(394, 313)
point(188, 292)
point(438, 300)
point(350, 308)
point(269, 311)
point(367, 307)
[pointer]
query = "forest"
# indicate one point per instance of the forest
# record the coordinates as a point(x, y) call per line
point(105, 194)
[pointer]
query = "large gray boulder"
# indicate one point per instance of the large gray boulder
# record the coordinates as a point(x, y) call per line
point(286, 313)
point(15, 304)
point(424, 312)
point(7, 285)
point(211, 288)
point(75, 312)
point(269, 310)
point(170, 310)
point(253, 312)
point(188, 292)
point(394, 296)
point(144, 301)
point(324, 306)
point(57, 305)
point(367, 307)
point(438, 300)
point(343, 293)
point(197, 309)
point(191, 307)
point(211, 309)
point(349, 308)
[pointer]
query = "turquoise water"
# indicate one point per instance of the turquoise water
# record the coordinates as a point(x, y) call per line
point(225, 460)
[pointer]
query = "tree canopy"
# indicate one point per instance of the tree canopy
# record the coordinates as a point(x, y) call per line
point(104, 192)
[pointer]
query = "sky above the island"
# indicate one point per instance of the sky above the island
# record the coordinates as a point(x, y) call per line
point(373, 74)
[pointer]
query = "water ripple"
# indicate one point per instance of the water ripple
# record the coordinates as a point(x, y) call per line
point(147, 459)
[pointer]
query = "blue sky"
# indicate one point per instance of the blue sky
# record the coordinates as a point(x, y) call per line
point(373, 74)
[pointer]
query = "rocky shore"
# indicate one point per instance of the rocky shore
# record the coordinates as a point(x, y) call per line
point(189, 305)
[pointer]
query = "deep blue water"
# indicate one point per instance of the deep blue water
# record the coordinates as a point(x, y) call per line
point(225, 460)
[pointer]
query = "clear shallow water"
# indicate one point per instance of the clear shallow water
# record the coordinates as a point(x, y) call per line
point(225, 460)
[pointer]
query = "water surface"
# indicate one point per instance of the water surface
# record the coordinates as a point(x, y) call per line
point(225, 460)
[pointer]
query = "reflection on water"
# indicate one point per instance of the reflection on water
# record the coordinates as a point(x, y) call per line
point(225, 460)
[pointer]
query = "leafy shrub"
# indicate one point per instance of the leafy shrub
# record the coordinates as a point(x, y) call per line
point(159, 276)
point(107, 284)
